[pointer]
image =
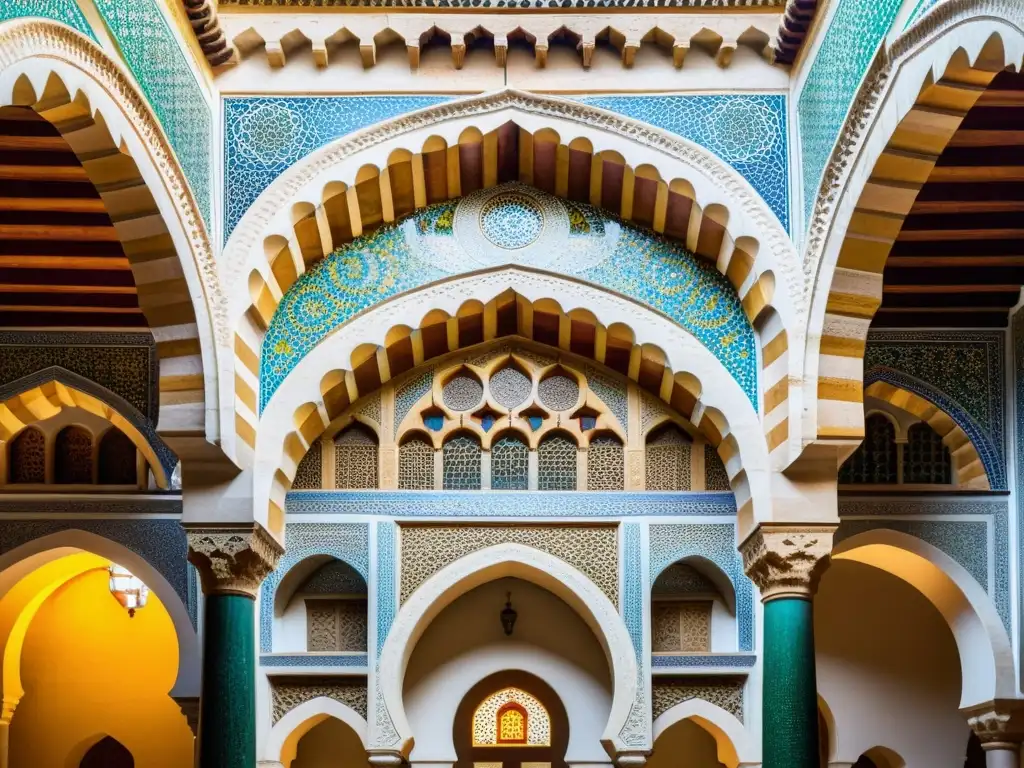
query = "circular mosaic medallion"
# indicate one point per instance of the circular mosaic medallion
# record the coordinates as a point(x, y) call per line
point(511, 221)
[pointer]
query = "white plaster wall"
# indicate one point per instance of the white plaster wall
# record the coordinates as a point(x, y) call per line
point(724, 638)
point(685, 745)
point(888, 669)
point(290, 628)
point(330, 744)
point(465, 643)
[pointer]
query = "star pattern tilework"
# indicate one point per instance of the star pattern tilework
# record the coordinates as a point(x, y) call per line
point(265, 135)
point(66, 11)
point(853, 37)
point(748, 131)
point(607, 252)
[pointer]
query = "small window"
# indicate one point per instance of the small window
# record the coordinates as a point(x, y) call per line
point(605, 464)
point(416, 465)
point(118, 459)
point(875, 461)
point(681, 626)
point(463, 392)
point(336, 625)
point(510, 462)
point(355, 458)
point(27, 457)
point(461, 459)
point(556, 463)
point(511, 716)
point(73, 456)
point(926, 459)
point(667, 460)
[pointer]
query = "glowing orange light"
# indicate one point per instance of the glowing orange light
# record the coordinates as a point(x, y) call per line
point(127, 589)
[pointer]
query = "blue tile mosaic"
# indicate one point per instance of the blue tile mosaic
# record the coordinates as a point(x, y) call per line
point(850, 43)
point(717, 542)
point(66, 11)
point(923, 6)
point(446, 239)
point(966, 541)
point(960, 371)
point(387, 570)
point(264, 135)
point(166, 76)
point(511, 504)
point(748, 131)
point(314, 660)
point(633, 588)
point(348, 542)
point(704, 660)
point(161, 543)
point(1017, 329)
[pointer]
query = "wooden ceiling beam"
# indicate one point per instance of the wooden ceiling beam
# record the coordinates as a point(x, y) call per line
point(963, 288)
point(54, 232)
point(58, 288)
point(920, 235)
point(967, 206)
point(986, 138)
point(963, 174)
point(69, 309)
point(43, 173)
point(64, 262)
point(33, 143)
point(54, 204)
point(955, 261)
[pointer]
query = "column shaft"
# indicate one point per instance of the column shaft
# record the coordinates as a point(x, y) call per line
point(790, 694)
point(227, 717)
point(1002, 757)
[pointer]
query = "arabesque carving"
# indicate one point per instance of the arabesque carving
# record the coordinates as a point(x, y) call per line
point(233, 560)
point(787, 561)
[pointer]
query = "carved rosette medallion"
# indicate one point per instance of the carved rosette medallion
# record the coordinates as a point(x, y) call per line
point(787, 561)
point(233, 560)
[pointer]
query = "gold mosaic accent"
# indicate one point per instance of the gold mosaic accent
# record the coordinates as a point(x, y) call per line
point(485, 720)
point(288, 693)
point(593, 550)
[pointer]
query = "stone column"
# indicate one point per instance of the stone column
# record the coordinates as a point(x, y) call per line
point(786, 562)
point(999, 738)
point(232, 562)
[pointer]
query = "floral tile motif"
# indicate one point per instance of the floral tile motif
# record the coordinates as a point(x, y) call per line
point(961, 372)
point(264, 135)
point(850, 43)
point(603, 250)
point(166, 77)
point(748, 131)
point(66, 11)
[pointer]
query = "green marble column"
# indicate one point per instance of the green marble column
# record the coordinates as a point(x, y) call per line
point(227, 715)
point(232, 563)
point(790, 693)
point(786, 563)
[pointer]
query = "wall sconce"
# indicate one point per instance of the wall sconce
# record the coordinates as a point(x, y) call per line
point(127, 589)
point(508, 616)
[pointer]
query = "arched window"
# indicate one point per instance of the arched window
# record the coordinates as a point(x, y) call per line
point(72, 453)
point(355, 458)
point(108, 752)
point(925, 458)
point(309, 473)
point(716, 478)
point(682, 601)
point(605, 464)
point(461, 457)
point(875, 460)
point(556, 463)
point(335, 599)
point(416, 464)
point(511, 717)
point(27, 457)
point(510, 462)
point(667, 464)
point(117, 459)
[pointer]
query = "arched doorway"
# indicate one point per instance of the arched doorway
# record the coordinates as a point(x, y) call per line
point(108, 752)
point(511, 719)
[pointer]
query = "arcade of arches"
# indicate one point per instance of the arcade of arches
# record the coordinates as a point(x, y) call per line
point(496, 385)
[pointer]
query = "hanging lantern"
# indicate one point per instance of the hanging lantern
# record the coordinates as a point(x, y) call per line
point(127, 589)
point(508, 616)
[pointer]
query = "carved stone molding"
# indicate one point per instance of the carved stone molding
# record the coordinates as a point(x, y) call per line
point(996, 723)
point(34, 38)
point(189, 706)
point(281, 193)
point(864, 110)
point(233, 560)
point(787, 561)
point(202, 15)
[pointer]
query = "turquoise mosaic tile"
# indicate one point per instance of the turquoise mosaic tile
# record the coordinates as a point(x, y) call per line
point(66, 11)
point(265, 135)
point(748, 131)
point(151, 50)
point(572, 239)
point(853, 37)
point(923, 6)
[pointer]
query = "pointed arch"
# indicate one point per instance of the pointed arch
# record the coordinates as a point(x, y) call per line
point(736, 745)
point(282, 742)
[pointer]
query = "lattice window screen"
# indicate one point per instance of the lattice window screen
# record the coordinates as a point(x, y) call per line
point(667, 464)
point(925, 458)
point(461, 456)
point(681, 627)
point(605, 464)
point(355, 458)
point(117, 459)
point(309, 473)
point(416, 465)
point(27, 457)
point(556, 464)
point(337, 626)
point(875, 460)
point(73, 456)
point(510, 463)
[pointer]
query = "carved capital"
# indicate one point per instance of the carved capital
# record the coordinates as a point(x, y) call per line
point(10, 703)
point(994, 725)
point(233, 560)
point(787, 561)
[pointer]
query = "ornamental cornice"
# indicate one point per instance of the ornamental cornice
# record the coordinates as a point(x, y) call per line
point(787, 561)
point(232, 560)
point(995, 722)
point(562, 5)
point(864, 111)
point(279, 194)
point(22, 39)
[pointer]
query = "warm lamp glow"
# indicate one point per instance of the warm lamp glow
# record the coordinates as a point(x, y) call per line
point(127, 589)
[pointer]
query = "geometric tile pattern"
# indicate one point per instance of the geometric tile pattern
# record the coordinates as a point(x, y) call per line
point(264, 135)
point(714, 542)
point(748, 131)
point(348, 542)
point(959, 371)
point(599, 249)
point(632, 615)
point(66, 11)
point(151, 51)
point(724, 692)
point(849, 45)
point(966, 541)
point(387, 575)
point(288, 693)
point(705, 661)
point(536, 504)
